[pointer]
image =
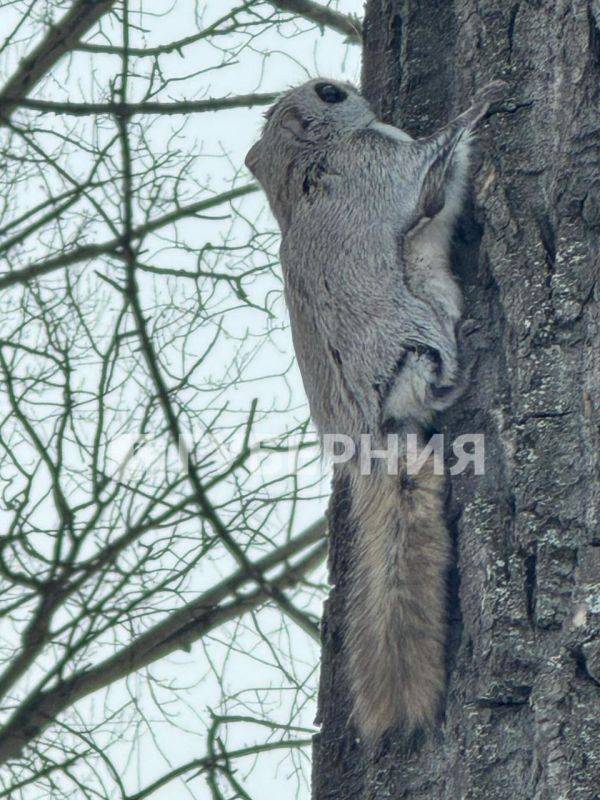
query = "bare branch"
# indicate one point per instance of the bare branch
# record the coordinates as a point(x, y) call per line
point(131, 109)
point(214, 29)
point(204, 505)
point(31, 719)
point(156, 457)
point(326, 17)
point(112, 246)
point(60, 39)
point(207, 762)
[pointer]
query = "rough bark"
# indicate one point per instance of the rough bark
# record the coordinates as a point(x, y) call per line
point(522, 715)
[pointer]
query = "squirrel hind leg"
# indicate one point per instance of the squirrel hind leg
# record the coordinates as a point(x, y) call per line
point(420, 388)
point(406, 403)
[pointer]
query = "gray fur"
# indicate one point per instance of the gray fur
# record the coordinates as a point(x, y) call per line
point(366, 215)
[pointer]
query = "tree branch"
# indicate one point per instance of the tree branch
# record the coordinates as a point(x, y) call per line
point(204, 505)
point(201, 617)
point(323, 16)
point(131, 109)
point(59, 40)
point(176, 46)
point(209, 761)
point(112, 246)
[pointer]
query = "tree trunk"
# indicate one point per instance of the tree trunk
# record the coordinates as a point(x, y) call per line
point(522, 715)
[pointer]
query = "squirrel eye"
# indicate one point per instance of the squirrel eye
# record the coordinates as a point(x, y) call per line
point(330, 93)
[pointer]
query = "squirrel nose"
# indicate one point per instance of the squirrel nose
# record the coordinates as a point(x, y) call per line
point(253, 157)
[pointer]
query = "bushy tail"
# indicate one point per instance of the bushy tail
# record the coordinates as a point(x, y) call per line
point(396, 616)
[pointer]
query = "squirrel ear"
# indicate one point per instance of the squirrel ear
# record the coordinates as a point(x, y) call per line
point(297, 126)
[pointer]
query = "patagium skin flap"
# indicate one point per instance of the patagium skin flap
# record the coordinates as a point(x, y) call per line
point(366, 216)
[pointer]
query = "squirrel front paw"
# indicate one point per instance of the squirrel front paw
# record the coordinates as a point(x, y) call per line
point(492, 92)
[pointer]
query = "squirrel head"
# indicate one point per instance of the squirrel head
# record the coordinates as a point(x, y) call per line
point(301, 122)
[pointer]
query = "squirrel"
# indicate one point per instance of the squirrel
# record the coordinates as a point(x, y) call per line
point(366, 216)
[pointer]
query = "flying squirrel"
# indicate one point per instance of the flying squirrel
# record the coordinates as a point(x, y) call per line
point(366, 216)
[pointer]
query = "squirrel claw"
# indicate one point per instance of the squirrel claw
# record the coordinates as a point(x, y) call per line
point(492, 92)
